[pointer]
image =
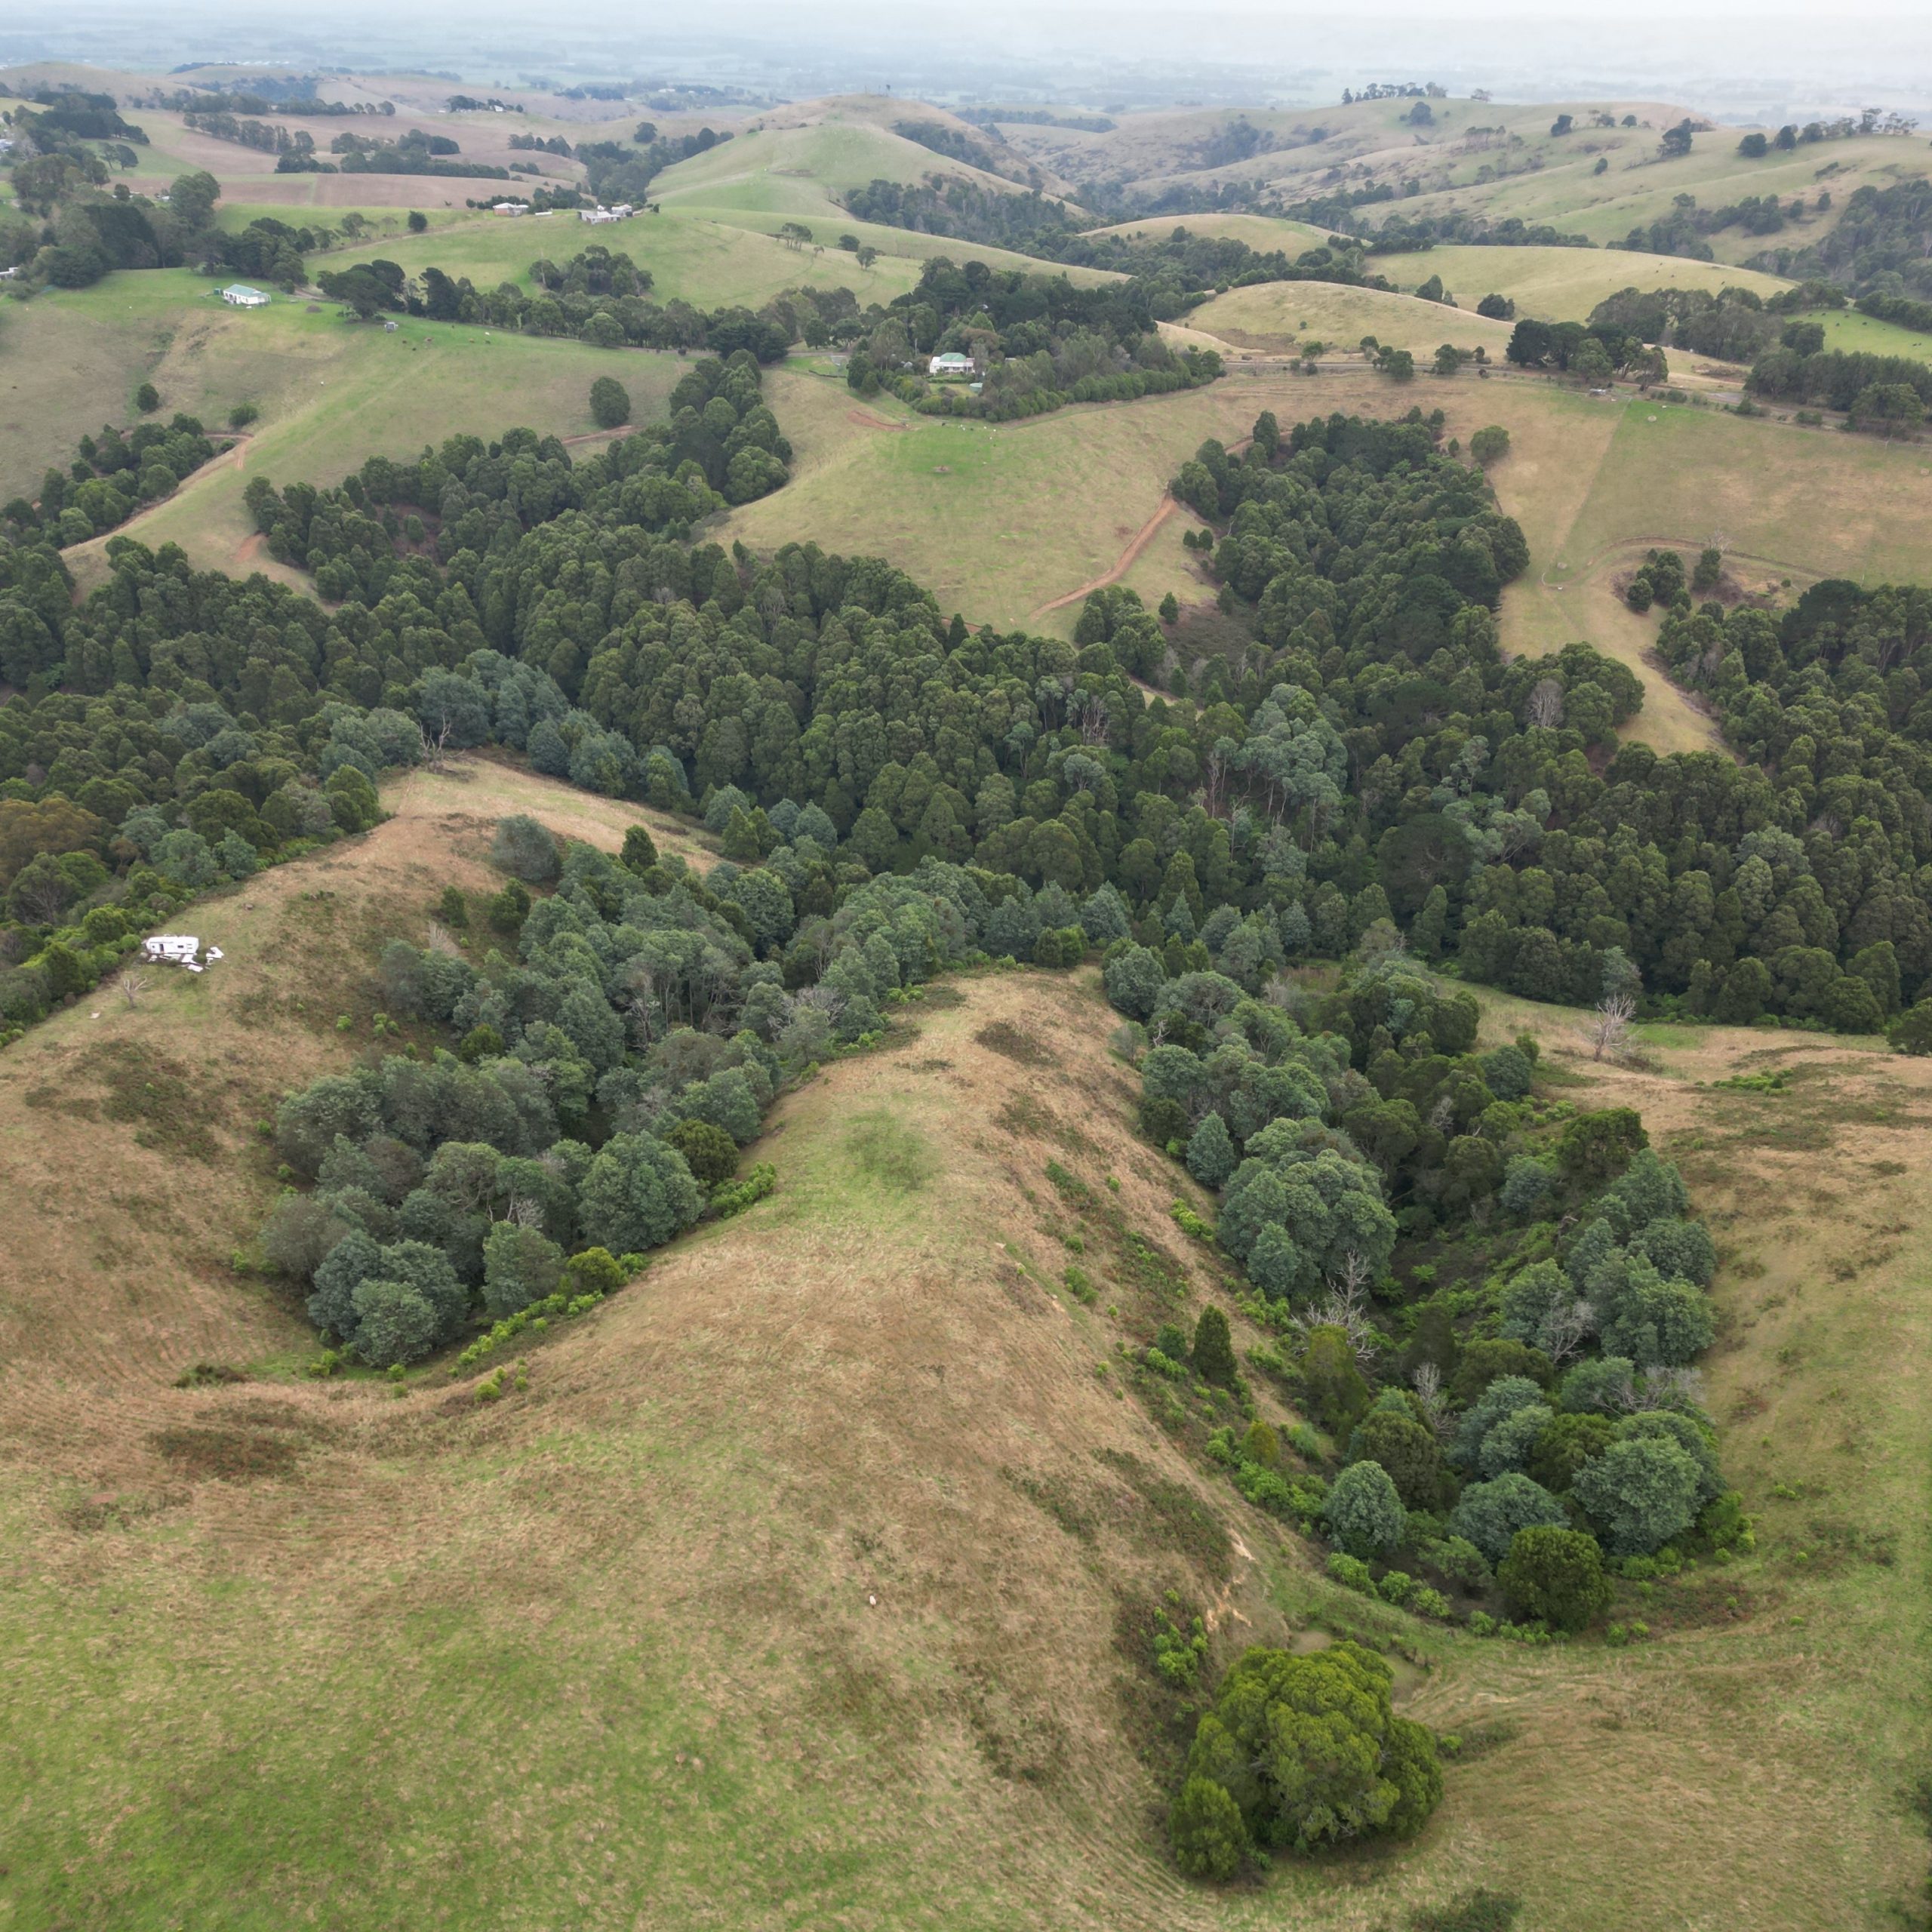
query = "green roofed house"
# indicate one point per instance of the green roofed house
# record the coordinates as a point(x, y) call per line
point(951, 364)
point(239, 295)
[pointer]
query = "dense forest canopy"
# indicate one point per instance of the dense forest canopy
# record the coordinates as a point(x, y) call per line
point(1373, 759)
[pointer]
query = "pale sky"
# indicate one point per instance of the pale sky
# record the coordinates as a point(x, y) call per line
point(1741, 57)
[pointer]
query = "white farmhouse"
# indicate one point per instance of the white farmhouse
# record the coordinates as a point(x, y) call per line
point(509, 208)
point(239, 295)
point(177, 949)
point(951, 364)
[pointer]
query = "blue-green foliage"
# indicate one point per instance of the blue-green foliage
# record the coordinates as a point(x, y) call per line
point(627, 1002)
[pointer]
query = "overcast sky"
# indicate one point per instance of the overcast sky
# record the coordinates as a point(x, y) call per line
point(1741, 57)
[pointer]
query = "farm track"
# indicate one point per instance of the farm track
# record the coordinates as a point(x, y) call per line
point(1122, 564)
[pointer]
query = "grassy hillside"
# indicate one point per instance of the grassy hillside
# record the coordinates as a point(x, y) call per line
point(1864, 335)
point(998, 519)
point(1262, 232)
point(774, 1504)
point(1785, 504)
point(802, 1582)
point(1274, 316)
point(710, 259)
point(1560, 285)
point(331, 393)
point(805, 169)
point(1489, 159)
point(697, 259)
point(1637, 187)
point(1004, 522)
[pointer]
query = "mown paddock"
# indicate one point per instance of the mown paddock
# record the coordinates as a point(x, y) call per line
point(739, 1616)
point(1278, 317)
point(1865, 335)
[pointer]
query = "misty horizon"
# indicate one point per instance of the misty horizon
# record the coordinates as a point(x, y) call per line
point(1727, 64)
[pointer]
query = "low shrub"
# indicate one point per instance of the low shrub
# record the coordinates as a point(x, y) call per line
point(1351, 1573)
point(734, 1199)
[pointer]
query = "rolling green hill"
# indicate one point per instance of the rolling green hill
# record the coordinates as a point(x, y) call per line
point(1560, 285)
point(804, 170)
point(329, 391)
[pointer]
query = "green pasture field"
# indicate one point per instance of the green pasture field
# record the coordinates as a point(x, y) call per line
point(1003, 522)
point(384, 219)
point(1639, 188)
point(996, 519)
point(330, 392)
point(906, 243)
point(803, 170)
point(1865, 335)
point(1263, 233)
point(1811, 503)
point(71, 359)
point(707, 262)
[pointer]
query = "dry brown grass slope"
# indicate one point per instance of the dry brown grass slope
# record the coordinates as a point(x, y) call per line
point(799, 1586)
point(816, 1541)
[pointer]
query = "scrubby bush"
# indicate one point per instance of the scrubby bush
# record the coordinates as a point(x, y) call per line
point(524, 849)
point(393, 1324)
point(710, 1153)
point(593, 1271)
point(1458, 1561)
point(1555, 1576)
point(1407, 1450)
point(1336, 1391)
point(1311, 1754)
point(1489, 1514)
point(1363, 1514)
point(1213, 1350)
point(520, 1265)
point(1565, 1445)
point(1205, 1828)
point(1351, 1572)
point(1210, 1153)
point(610, 403)
point(1492, 1357)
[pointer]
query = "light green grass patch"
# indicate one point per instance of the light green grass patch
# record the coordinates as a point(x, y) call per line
point(806, 170)
point(1865, 335)
point(890, 1153)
